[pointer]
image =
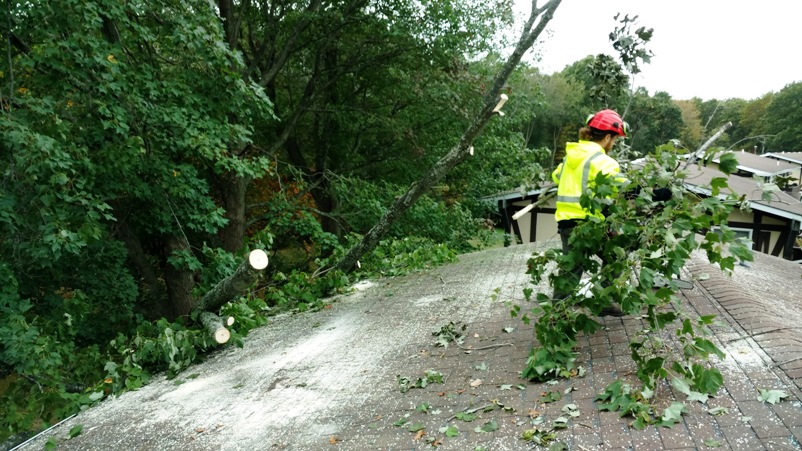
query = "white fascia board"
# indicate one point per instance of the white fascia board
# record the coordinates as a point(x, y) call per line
point(783, 157)
point(517, 195)
point(754, 205)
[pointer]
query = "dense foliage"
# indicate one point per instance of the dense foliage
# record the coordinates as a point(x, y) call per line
point(643, 245)
point(147, 146)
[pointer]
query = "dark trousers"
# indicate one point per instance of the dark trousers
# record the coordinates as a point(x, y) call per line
point(575, 275)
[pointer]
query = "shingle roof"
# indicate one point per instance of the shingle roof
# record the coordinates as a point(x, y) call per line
point(760, 165)
point(792, 157)
point(781, 203)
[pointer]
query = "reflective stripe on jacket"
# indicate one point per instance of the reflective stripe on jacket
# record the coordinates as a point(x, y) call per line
point(583, 161)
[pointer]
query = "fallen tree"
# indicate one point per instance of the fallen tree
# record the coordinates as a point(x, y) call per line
point(463, 149)
point(246, 274)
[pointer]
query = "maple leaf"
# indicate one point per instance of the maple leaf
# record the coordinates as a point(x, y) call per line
point(419, 435)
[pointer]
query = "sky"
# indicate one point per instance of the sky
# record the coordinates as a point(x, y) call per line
point(712, 49)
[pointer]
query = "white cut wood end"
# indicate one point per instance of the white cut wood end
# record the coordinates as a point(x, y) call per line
point(230, 321)
point(524, 211)
point(258, 259)
point(358, 265)
point(222, 335)
point(470, 150)
point(501, 102)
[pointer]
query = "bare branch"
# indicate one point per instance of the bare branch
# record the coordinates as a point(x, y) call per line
point(701, 151)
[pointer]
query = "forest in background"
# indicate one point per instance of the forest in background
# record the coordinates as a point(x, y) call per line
point(146, 147)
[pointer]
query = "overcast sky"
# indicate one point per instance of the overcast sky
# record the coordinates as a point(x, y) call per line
point(704, 48)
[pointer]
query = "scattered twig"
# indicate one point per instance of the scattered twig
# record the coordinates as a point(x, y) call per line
point(476, 409)
point(485, 347)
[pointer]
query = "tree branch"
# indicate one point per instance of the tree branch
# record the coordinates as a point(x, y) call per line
point(701, 151)
point(460, 151)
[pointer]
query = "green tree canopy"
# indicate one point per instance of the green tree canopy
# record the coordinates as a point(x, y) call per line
point(783, 119)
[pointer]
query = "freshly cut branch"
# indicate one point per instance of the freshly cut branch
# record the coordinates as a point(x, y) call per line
point(493, 102)
point(234, 285)
point(215, 326)
point(701, 151)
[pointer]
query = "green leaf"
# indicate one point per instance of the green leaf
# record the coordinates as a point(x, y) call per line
point(416, 427)
point(490, 426)
point(551, 396)
point(707, 380)
point(464, 416)
point(709, 347)
point(424, 407)
point(728, 163)
point(717, 184)
point(718, 411)
point(401, 422)
point(51, 444)
point(506, 386)
point(481, 367)
point(75, 431)
point(681, 385)
point(696, 396)
point(434, 377)
point(712, 443)
point(571, 410)
point(772, 396)
point(560, 423)
point(450, 431)
point(673, 414)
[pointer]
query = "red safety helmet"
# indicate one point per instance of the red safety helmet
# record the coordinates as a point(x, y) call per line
point(609, 121)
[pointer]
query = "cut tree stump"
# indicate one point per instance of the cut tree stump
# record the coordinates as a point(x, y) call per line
point(227, 289)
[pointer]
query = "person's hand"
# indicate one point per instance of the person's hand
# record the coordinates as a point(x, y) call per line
point(662, 194)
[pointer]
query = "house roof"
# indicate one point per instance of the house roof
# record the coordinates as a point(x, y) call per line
point(309, 380)
point(781, 204)
point(760, 165)
point(792, 157)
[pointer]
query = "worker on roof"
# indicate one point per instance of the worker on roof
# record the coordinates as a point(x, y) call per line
point(583, 162)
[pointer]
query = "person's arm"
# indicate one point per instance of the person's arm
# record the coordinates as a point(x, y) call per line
point(555, 175)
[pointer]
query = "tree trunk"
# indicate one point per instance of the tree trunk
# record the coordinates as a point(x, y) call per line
point(234, 285)
point(155, 293)
point(459, 152)
point(233, 192)
point(179, 281)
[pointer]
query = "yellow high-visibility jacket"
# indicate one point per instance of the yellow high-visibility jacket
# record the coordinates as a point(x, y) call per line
point(583, 161)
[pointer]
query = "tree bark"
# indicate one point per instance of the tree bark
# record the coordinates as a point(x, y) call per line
point(234, 285)
point(233, 233)
point(179, 281)
point(460, 151)
point(215, 326)
point(138, 259)
point(700, 152)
